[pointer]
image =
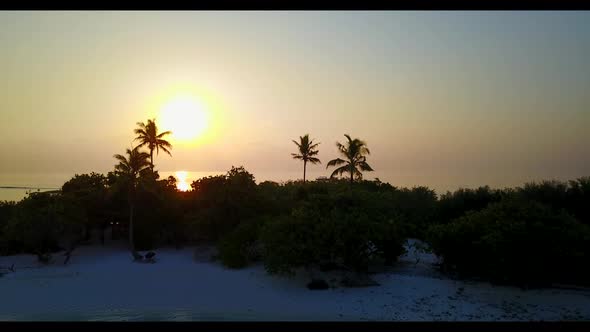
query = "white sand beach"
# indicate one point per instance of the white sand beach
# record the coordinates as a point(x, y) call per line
point(101, 283)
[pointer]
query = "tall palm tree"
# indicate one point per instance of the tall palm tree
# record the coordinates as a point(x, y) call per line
point(307, 151)
point(147, 134)
point(130, 168)
point(354, 151)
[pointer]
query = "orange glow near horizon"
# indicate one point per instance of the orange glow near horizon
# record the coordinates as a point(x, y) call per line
point(181, 182)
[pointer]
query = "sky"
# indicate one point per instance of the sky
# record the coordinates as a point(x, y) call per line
point(443, 99)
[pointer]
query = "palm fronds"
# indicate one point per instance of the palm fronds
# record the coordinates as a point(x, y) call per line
point(354, 151)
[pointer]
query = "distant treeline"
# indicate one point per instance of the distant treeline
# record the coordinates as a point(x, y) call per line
point(532, 235)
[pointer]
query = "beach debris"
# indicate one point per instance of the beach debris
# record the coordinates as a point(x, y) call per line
point(10, 269)
point(318, 284)
point(44, 258)
point(150, 257)
point(137, 257)
point(68, 255)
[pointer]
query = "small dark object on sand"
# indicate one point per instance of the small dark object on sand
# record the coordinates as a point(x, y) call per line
point(44, 258)
point(150, 257)
point(318, 284)
point(68, 256)
point(137, 256)
point(11, 269)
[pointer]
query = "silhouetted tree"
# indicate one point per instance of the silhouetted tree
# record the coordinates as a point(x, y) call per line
point(130, 169)
point(40, 220)
point(307, 151)
point(147, 134)
point(355, 162)
point(89, 191)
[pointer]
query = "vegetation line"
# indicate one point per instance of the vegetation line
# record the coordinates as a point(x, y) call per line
point(532, 236)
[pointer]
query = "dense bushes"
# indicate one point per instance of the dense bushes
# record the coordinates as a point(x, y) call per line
point(219, 203)
point(573, 196)
point(578, 199)
point(318, 224)
point(40, 222)
point(516, 240)
point(415, 209)
point(535, 234)
point(329, 230)
point(455, 204)
point(242, 246)
point(6, 211)
point(89, 192)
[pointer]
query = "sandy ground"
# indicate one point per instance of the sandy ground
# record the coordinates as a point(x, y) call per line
point(101, 283)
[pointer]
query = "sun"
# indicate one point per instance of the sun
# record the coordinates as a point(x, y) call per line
point(181, 183)
point(193, 113)
point(186, 116)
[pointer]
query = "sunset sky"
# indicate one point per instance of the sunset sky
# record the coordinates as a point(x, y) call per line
point(444, 99)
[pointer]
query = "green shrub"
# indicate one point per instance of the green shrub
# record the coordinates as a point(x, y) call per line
point(218, 204)
point(330, 230)
point(455, 204)
point(7, 209)
point(415, 209)
point(515, 241)
point(241, 247)
point(578, 199)
point(40, 221)
point(287, 245)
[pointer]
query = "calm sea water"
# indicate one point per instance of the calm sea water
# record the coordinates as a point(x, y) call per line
point(440, 185)
point(56, 180)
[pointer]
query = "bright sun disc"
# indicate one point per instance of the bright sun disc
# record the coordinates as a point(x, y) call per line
point(186, 117)
point(181, 182)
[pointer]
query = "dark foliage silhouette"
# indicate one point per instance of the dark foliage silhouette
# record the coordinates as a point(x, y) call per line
point(307, 149)
point(148, 135)
point(517, 241)
point(355, 161)
point(129, 169)
point(89, 191)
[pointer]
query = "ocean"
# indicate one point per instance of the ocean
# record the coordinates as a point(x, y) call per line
point(439, 183)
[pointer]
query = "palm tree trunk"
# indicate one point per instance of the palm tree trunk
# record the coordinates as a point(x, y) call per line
point(351, 174)
point(304, 166)
point(152, 159)
point(131, 242)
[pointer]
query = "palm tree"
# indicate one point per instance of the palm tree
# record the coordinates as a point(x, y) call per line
point(355, 162)
point(148, 135)
point(130, 169)
point(306, 152)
